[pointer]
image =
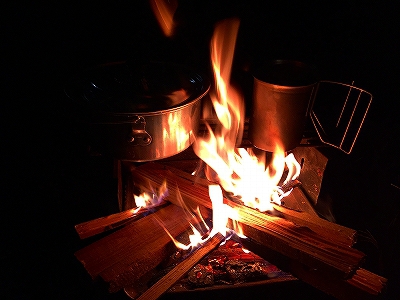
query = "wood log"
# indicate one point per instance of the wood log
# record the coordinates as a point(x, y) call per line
point(125, 255)
point(301, 244)
point(128, 254)
point(296, 242)
point(335, 232)
point(368, 281)
point(361, 285)
point(167, 281)
point(307, 217)
point(103, 224)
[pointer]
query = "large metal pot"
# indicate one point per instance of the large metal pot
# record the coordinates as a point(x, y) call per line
point(140, 112)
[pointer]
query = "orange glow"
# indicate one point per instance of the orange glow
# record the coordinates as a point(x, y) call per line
point(219, 211)
point(148, 199)
point(192, 238)
point(176, 132)
point(164, 11)
point(143, 200)
point(196, 237)
point(220, 214)
point(245, 250)
point(239, 171)
point(220, 218)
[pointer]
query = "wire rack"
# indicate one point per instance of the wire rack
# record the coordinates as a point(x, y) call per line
point(338, 113)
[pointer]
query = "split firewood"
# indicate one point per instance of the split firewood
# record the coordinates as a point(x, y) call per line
point(297, 242)
point(103, 224)
point(314, 252)
point(368, 281)
point(127, 254)
point(308, 218)
point(361, 285)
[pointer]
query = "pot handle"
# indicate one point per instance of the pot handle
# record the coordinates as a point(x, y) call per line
point(139, 136)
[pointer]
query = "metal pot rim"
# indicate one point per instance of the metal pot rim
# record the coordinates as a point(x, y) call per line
point(285, 88)
point(129, 117)
point(147, 89)
point(286, 74)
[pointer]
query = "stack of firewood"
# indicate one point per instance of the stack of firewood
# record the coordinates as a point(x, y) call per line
point(298, 241)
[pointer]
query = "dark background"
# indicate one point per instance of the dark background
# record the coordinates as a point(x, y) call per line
point(50, 182)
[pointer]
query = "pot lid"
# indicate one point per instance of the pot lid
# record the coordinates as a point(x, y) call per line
point(121, 87)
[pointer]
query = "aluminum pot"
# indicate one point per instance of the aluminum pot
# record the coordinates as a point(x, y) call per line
point(140, 112)
point(282, 96)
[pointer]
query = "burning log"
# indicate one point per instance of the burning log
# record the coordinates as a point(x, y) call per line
point(181, 269)
point(316, 249)
point(299, 243)
point(127, 254)
point(320, 247)
point(361, 285)
point(130, 254)
point(339, 234)
point(103, 224)
point(308, 218)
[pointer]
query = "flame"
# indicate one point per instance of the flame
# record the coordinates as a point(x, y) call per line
point(220, 215)
point(239, 172)
point(219, 210)
point(195, 239)
point(197, 236)
point(164, 11)
point(143, 200)
point(149, 199)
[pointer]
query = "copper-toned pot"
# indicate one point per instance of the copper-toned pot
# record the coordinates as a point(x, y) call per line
point(282, 96)
point(141, 112)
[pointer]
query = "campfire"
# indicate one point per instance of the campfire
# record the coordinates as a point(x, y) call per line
point(234, 193)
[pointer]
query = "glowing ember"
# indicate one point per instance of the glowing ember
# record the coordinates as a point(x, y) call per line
point(239, 171)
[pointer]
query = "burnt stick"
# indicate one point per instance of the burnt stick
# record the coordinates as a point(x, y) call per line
point(167, 281)
point(103, 224)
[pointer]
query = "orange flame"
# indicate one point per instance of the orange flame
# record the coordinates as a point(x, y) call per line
point(148, 199)
point(220, 219)
point(239, 171)
point(164, 11)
